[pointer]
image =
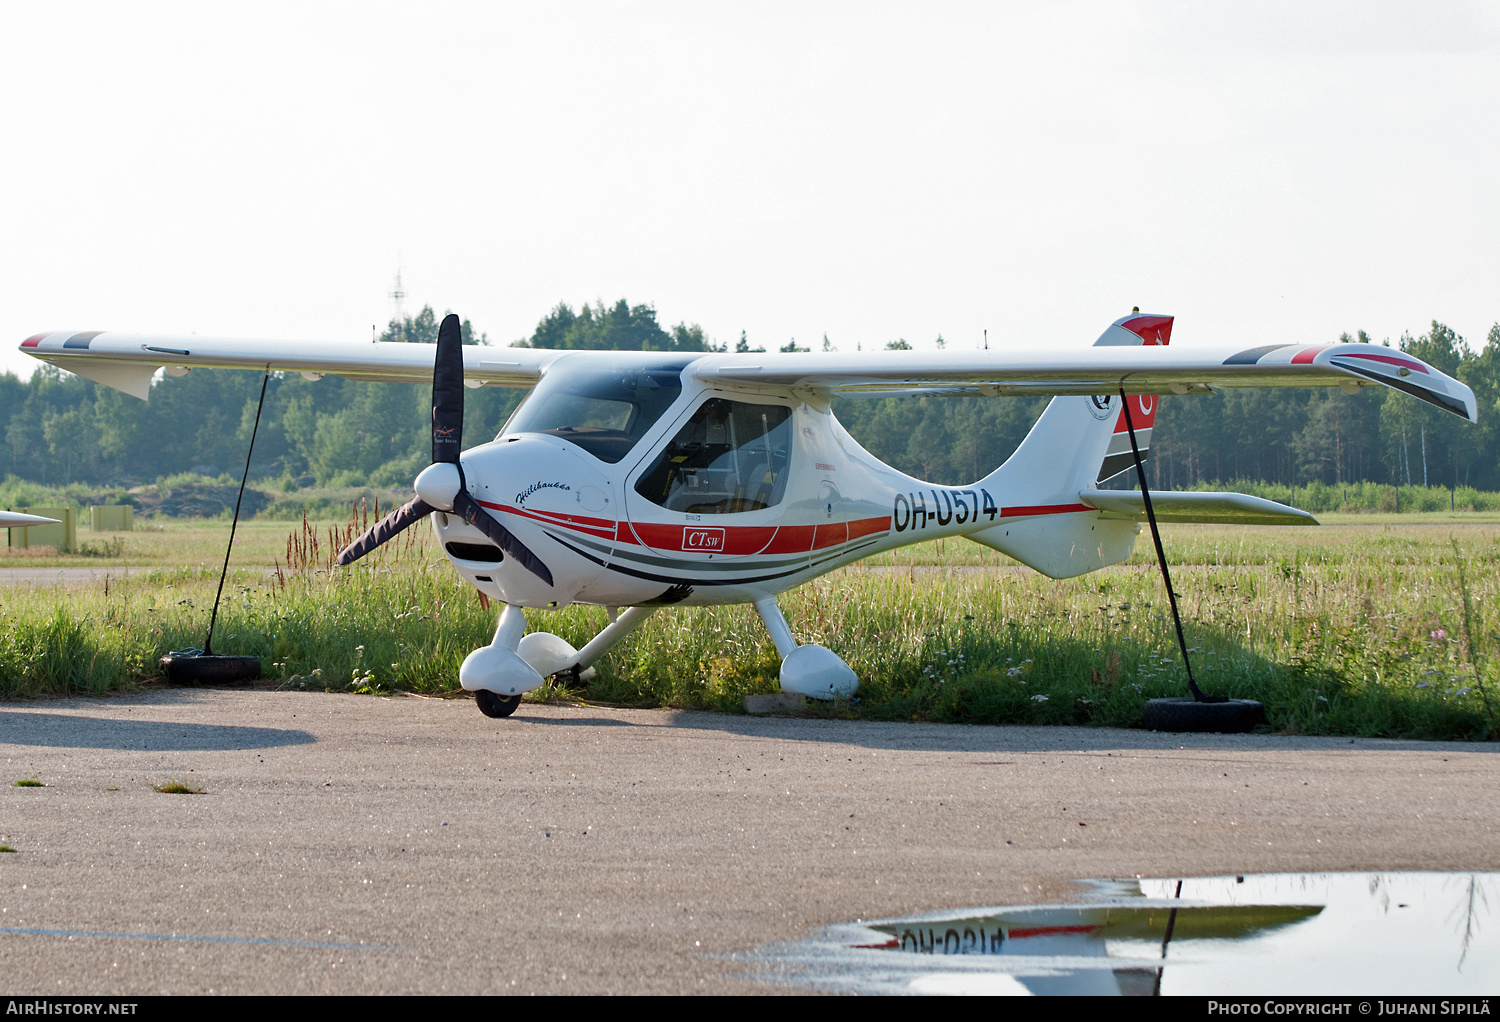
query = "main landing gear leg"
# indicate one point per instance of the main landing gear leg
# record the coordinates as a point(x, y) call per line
point(549, 654)
point(496, 674)
point(811, 671)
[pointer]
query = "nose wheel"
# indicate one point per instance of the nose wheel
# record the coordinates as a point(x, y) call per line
point(492, 705)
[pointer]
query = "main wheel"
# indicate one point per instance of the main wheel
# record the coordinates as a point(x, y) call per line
point(1233, 716)
point(572, 679)
point(492, 705)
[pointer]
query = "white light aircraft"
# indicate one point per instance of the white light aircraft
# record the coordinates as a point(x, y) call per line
point(640, 480)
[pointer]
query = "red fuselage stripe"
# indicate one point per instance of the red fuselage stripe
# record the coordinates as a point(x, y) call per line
point(783, 539)
point(787, 538)
point(1016, 933)
point(1043, 509)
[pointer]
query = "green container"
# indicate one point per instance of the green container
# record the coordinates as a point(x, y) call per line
point(112, 518)
point(63, 535)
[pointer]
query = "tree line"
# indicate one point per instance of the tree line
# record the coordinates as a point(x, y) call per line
point(59, 428)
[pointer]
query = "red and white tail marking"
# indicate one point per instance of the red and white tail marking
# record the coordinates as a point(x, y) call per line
point(1143, 330)
point(1150, 329)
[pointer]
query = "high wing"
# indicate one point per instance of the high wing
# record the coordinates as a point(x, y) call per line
point(128, 361)
point(1143, 369)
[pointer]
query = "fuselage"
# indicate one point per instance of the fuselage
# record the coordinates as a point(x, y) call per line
point(727, 497)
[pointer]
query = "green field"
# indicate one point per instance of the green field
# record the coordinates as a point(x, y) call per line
point(163, 541)
point(1369, 625)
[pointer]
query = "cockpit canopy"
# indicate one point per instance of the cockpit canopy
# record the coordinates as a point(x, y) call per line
point(605, 410)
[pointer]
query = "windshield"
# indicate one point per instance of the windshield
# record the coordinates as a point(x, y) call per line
point(604, 409)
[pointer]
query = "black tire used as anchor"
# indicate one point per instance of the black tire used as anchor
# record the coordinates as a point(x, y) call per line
point(209, 669)
point(1183, 713)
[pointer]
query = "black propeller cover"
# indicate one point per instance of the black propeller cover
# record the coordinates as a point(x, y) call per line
point(448, 393)
point(397, 521)
point(447, 442)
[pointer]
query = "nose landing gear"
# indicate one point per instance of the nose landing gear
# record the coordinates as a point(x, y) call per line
point(513, 664)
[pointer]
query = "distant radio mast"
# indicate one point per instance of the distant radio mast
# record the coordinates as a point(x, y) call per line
point(398, 295)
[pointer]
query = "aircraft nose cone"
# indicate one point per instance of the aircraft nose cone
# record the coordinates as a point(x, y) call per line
point(438, 484)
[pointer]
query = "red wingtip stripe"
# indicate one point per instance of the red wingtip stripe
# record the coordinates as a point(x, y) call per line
point(31, 342)
point(1394, 360)
point(1306, 355)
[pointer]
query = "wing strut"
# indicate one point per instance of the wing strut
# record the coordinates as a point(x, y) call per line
point(1161, 558)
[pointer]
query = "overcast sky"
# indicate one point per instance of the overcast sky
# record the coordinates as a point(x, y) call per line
point(1263, 170)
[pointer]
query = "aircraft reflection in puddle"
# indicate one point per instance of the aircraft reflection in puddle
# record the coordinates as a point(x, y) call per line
point(1317, 933)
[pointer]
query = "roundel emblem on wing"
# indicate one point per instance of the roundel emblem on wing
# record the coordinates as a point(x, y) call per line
point(1101, 406)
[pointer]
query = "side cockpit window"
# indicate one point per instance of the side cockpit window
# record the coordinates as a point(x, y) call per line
point(729, 457)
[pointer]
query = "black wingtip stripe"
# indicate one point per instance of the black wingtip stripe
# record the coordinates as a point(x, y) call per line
point(1443, 401)
point(1250, 356)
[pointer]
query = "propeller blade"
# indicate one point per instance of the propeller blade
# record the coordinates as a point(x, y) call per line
point(447, 442)
point(448, 393)
point(467, 508)
point(406, 515)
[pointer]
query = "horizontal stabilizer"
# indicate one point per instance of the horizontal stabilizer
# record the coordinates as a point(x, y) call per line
point(1206, 508)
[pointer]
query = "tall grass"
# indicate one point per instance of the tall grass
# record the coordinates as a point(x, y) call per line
point(1363, 643)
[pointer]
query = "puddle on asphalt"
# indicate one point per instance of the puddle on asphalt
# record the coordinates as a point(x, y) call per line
point(1275, 934)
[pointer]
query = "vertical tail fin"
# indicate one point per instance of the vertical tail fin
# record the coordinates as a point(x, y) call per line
point(1133, 329)
point(1117, 456)
point(1077, 443)
point(1082, 441)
